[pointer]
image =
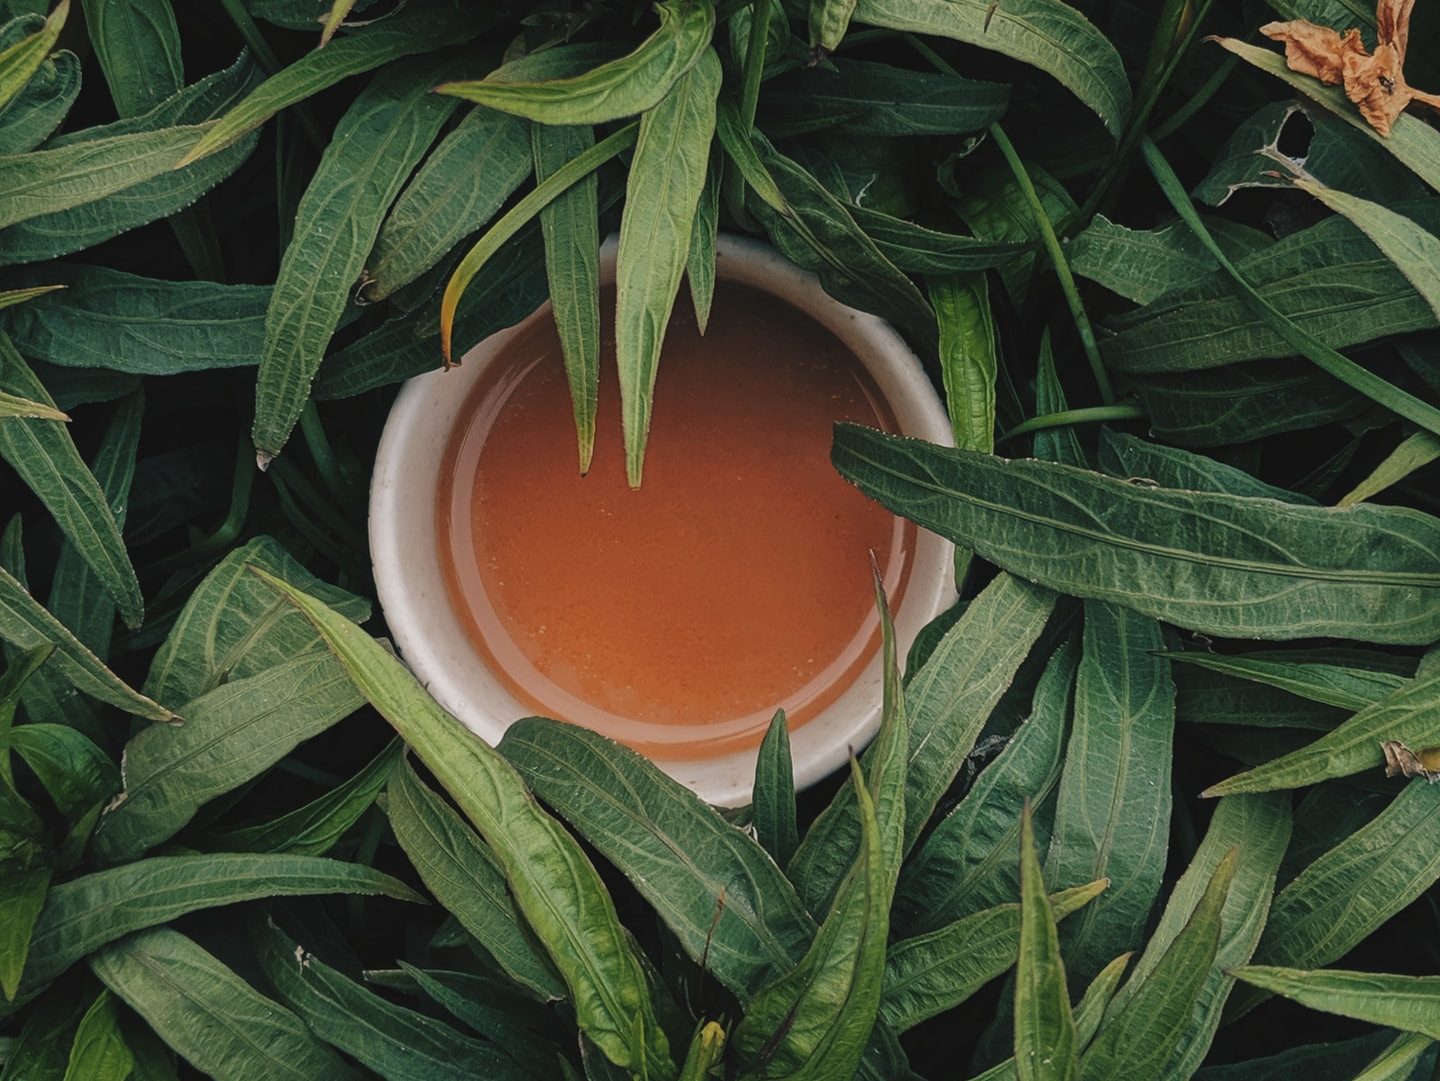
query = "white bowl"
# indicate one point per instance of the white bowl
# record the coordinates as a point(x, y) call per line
point(405, 549)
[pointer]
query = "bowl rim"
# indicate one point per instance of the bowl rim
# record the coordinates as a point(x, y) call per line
point(416, 607)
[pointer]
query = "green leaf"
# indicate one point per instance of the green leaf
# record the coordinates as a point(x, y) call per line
point(1243, 403)
point(1329, 280)
point(20, 62)
point(715, 888)
point(1413, 142)
point(463, 183)
point(123, 322)
point(315, 828)
point(1060, 444)
point(1252, 569)
point(1142, 1031)
point(700, 262)
point(37, 110)
point(1302, 673)
point(555, 887)
point(1297, 339)
point(773, 808)
point(12, 405)
point(1409, 1003)
point(969, 355)
point(226, 737)
point(458, 868)
point(1258, 829)
point(212, 1017)
point(22, 894)
point(864, 98)
point(966, 863)
point(829, 20)
point(1112, 812)
point(421, 29)
point(24, 623)
point(1126, 456)
point(77, 597)
point(928, 974)
point(507, 291)
point(234, 626)
point(138, 46)
point(75, 772)
point(1407, 714)
point(333, 19)
point(99, 1052)
point(1145, 264)
point(815, 230)
point(632, 84)
point(1355, 887)
point(99, 219)
point(815, 1021)
point(54, 180)
point(918, 250)
point(395, 1042)
point(1087, 1013)
point(1045, 1041)
point(88, 912)
point(1047, 34)
point(376, 145)
point(667, 176)
point(947, 702)
point(572, 268)
point(490, 1007)
point(1398, 1062)
point(44, 456)
point(1416, 452)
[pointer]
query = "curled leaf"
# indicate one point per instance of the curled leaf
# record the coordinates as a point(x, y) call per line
point(1401, 761)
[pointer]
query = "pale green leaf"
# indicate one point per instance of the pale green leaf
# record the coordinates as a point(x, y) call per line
point(99, 1052)
point(572, 267)
point(226, 737)
point(211, 1016)
point(1409, 1003)
point(376, 145)
point(44, 456)
point(462, 184)
point(20, 62)
point(667, 176)
point(1046, 1045)
point(554, 885)
point(1112, 811)
point(88, 912)
point(928, 974)
point(458, 868)
point(624, 87)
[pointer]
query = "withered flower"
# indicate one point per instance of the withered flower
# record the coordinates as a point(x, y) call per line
point(1401, 761)
point(1374, 81)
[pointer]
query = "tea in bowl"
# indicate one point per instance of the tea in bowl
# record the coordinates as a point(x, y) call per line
point(676, 617)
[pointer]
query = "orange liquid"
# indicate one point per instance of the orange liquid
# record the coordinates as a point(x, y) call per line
point(678, 617)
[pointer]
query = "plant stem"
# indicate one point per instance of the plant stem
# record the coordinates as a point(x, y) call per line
point(1057, 259)
point(1095, 414)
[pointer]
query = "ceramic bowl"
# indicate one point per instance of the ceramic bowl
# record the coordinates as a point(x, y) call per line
point(405, 549)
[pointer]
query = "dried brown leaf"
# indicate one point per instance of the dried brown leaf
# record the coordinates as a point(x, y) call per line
point(1373, 81)
point(1401, 761)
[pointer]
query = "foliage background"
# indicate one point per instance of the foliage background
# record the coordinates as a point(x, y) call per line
point(907, 197)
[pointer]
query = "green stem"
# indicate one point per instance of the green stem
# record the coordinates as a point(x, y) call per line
point(1197, 101)
point(1095, 414)
point(752, 73)
point(320, 450)
point(1058, 261)
point(226, 533)
point(1151, 87)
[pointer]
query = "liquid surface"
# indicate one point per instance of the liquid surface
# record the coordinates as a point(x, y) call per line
point(678, 617)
